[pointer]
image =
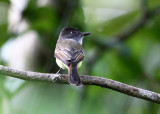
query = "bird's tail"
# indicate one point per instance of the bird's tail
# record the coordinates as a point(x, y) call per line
point(74, 78)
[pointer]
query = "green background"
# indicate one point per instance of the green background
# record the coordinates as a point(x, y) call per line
point(28, 44)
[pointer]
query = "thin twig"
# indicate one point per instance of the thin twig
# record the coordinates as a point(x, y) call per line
point(87, 80)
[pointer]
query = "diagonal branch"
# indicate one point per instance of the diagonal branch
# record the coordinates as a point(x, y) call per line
point(146, 16)
point(87, 80)
point(133, 28)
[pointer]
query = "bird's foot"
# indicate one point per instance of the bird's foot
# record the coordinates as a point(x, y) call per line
point(58, 76)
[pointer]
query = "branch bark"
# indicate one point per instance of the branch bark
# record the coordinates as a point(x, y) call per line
point(87, 80)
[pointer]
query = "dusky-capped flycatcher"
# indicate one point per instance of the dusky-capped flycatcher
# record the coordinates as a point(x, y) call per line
point(69, 53)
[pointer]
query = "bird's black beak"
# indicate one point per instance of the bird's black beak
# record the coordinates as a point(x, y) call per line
point(86, 33)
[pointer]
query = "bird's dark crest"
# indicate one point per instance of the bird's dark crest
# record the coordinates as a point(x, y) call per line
point(70, 32)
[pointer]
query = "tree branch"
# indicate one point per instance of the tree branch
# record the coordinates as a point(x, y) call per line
point(87, 80)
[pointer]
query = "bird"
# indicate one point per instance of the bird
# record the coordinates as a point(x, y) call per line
point(69, 53)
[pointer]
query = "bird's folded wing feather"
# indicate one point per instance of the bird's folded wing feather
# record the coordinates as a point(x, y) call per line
point(69, 54)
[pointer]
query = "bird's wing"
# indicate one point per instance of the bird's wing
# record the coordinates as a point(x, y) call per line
point(78, 56)
point(69, 54)
point(63, 54)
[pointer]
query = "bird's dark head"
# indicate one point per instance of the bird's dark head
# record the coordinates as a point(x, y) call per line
point(72, 33)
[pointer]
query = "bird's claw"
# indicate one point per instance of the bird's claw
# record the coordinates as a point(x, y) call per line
point(58, 76)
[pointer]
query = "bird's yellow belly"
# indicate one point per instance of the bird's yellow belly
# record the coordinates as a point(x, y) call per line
point(63, 66)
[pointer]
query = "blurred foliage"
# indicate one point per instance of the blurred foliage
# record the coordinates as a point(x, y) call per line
point(135, 61)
